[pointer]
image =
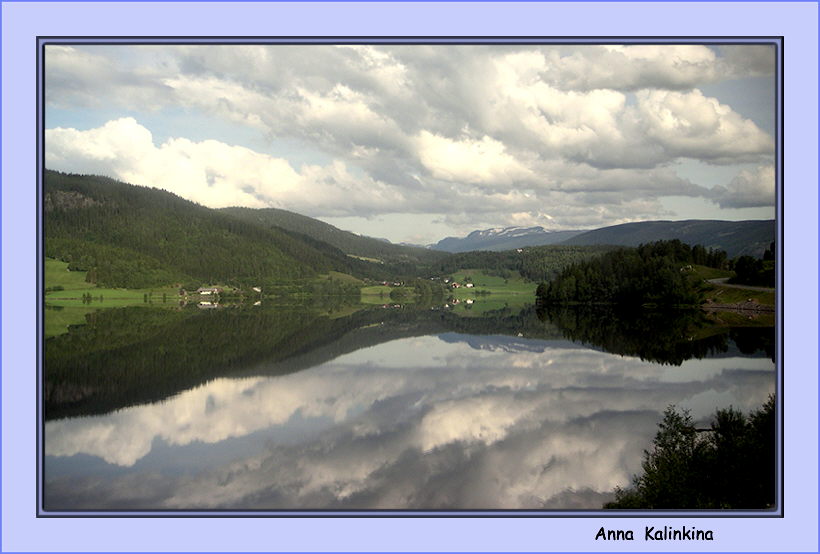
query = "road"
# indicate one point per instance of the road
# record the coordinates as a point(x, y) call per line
point(723, 283)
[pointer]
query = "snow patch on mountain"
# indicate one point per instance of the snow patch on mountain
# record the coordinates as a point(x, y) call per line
point(503, 238)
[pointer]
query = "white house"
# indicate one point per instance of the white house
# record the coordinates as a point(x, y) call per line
point(208, 290)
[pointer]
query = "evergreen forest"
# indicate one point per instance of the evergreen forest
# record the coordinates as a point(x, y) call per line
point(656, 273)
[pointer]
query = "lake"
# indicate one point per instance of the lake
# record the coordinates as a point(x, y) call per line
point(394, 407)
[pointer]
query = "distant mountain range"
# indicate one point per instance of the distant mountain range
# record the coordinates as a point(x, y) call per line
point(506, 238)
point(737, 238)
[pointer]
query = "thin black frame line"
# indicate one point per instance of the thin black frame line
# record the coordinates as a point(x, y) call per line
point(40, 356)
point(42, 512)
point(401, 515)
point(779, 246)
point(187, 42)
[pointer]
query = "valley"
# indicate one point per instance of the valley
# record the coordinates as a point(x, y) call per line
point(110, 244)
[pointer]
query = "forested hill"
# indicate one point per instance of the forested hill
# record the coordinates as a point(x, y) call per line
point(134, 236)
point(349, 243)
point(652, 274)
point(736, 238)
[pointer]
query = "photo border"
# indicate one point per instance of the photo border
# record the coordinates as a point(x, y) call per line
point(777, 41)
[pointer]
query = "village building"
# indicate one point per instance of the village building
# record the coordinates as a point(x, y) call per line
point(208, 290)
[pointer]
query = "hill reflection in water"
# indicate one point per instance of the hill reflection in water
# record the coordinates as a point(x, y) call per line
point(379, 409)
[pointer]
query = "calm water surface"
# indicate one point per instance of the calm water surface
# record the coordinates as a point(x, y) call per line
point(380, 410)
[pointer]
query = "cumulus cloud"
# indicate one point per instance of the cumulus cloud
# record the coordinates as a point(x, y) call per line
point(749, 188)
point(489, 424)
point(98, 78)
point(748, 61)
point(213, 173)
point(481, 161)
point(634, 67)
point(653, 66)
point(216, 174)
point(415, 128)
point(690, 125)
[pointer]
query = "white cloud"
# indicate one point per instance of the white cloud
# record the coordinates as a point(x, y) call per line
point(655, 66)
point(690, 125)
point(749, 188)
point(213, 173)
point(93, 77)
point(748, 60)
point(634, 67)
point(480, 162)
point(416, 129)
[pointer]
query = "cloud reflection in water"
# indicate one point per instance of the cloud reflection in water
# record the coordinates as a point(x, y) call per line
point(413, 423)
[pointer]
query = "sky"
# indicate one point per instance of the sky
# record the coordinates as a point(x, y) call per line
point(414, 143)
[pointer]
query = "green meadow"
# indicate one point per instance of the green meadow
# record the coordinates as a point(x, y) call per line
point(376, 294)
point(514, 286)
point(490, 292)
point(701, 273)
point(72, 286)
point(728, 295)
point(69, 304)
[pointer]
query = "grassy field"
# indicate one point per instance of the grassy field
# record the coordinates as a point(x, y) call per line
point(57, 274)
point(701, 273)
point(376, 294)
point(366, 259)
point(496, 286)
point(113, 298)
point(490, 292)
point(491, 303)
point(718, 294)
point(74, 287)
point(735, 319)
point(66, 307)
point(341, 277)
point(728, 295)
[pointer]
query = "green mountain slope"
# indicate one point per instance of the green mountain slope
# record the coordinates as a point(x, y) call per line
point(349, 243)
point(133, 236)
point(736, 238)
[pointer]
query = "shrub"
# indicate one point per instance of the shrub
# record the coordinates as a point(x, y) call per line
point(732, 465)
